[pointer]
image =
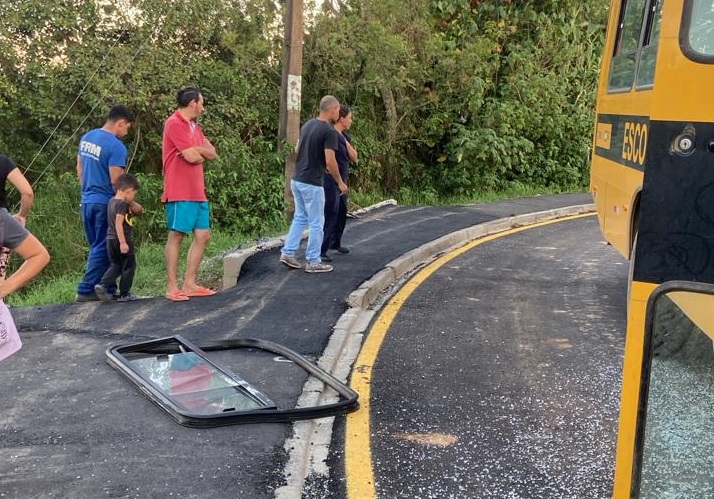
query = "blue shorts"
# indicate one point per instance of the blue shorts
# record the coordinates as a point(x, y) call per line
point(186, 216)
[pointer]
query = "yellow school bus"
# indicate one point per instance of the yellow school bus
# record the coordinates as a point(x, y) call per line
point(652, 179)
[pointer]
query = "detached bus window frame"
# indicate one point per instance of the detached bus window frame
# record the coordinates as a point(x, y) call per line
point(215, 395)
point(633, 66)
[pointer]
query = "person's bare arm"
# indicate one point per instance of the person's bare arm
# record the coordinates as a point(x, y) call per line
point(136, 208)
point(207, 150)
point(36, 258)
point(193, 156)
point(334, 170)
point(119, 223)
point(80, 169)
point(199, 154)
point(114, 173)
point(27, 196)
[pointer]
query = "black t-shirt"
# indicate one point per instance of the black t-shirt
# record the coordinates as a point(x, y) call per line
point(315, 136)
point(119, 207)
point(343, 159)
point(6, 166)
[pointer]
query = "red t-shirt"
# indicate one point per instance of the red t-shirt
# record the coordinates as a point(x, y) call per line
point(183, 181)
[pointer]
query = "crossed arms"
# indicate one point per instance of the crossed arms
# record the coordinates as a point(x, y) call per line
point(198, 154)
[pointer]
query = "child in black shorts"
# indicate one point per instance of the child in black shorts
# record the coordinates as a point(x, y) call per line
point(121, 211)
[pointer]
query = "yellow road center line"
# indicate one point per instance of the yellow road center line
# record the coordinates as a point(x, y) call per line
point(358, 451)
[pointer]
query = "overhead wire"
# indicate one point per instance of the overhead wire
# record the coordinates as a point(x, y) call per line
point(106, 92)
point(74, 101)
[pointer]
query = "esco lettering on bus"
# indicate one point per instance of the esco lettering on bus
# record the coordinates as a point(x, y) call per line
point(634, 143)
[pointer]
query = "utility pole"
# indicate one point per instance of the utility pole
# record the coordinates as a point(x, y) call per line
point(291, 92)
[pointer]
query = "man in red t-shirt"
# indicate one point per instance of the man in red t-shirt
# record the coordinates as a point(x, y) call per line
point(184, 149)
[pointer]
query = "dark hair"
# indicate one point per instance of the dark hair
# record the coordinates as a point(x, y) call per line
point(127, 181)
point(186, 95)
point(120, 112)
point(344, 111)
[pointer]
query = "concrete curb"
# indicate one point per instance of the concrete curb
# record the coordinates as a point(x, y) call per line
point(309, 446)
point(368, 291)
point(233, 262)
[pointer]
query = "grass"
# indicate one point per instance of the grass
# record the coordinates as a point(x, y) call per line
point(419, 198)
point(151, 271)
point(150, 277)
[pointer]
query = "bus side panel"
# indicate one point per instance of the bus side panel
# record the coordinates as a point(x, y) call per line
point(615, 201)
point(620, 200)
point(631, 379)
point(598, 189)
point(684, 87)
point(676, 237)
point(619, 156)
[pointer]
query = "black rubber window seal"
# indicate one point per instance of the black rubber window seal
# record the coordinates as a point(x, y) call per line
point(117, 358)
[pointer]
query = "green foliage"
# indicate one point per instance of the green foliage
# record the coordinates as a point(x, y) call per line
point(467, 96)
point(55, 218)
point(247, 189)
point(451, 98)
point(151, 226)
point(150, 277)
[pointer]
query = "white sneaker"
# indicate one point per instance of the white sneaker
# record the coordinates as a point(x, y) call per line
point(315, 267)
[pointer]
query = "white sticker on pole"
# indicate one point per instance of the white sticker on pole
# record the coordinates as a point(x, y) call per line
point(294, 92)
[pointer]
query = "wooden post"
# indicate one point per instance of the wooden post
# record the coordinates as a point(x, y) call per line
point(283, 116)
point(291, 93)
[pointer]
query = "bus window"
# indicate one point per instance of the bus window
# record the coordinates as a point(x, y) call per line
point(676, 436)
point(701, 27)
point(622, 72)
point(648, 56)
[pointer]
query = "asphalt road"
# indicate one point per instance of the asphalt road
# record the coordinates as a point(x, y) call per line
point(70, 426)
point(500, 375)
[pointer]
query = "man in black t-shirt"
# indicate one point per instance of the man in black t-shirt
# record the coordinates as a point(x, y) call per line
point(316, 154)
